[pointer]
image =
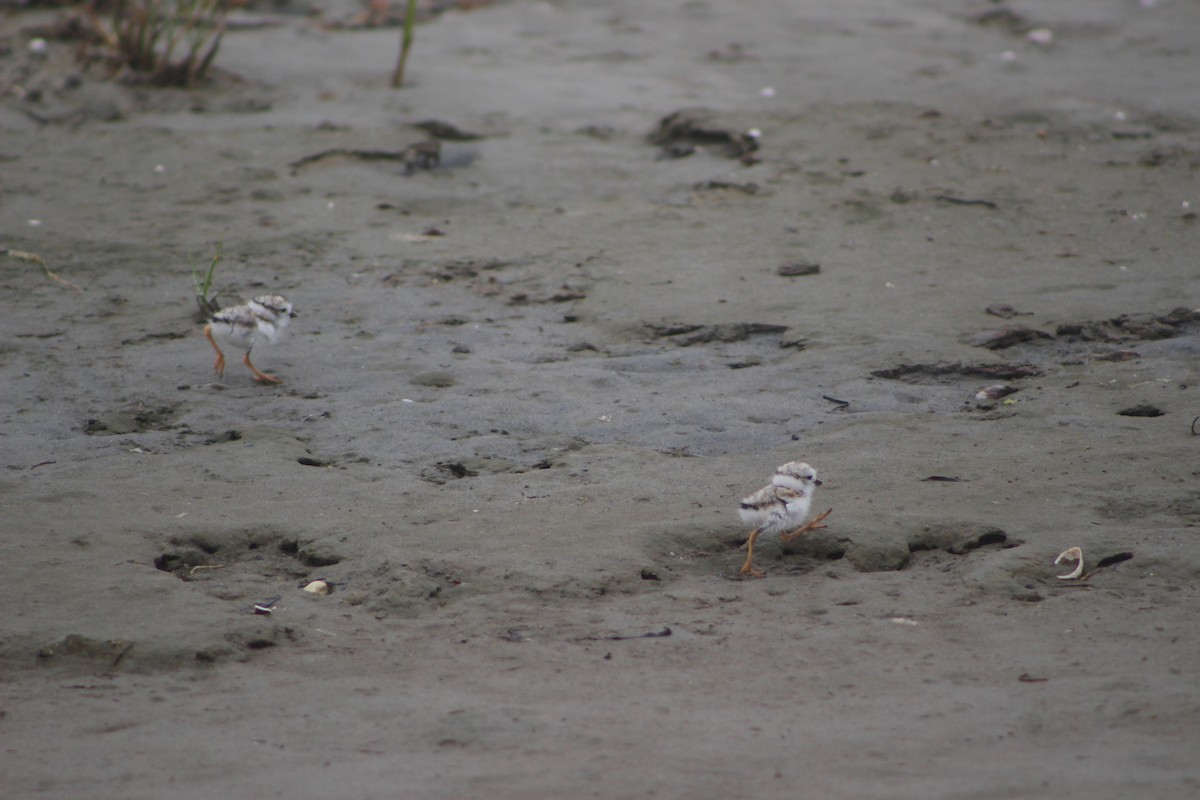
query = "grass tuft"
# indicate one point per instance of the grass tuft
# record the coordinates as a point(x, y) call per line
point(172, 42)
point(207, 305)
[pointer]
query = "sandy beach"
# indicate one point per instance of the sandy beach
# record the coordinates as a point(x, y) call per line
point(946, 252)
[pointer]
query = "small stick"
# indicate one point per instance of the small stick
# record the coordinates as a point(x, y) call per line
point(619, 638)
point(962, 201)
point(365, 155)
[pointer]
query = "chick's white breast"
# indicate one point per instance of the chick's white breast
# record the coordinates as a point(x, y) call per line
point(235, 335)
point(267, 332)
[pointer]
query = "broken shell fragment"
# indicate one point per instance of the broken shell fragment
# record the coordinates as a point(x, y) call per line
point(995, 391)
point(1071, 554)
point(317, 587)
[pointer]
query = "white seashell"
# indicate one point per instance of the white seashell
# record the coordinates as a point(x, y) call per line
point(1071, 554)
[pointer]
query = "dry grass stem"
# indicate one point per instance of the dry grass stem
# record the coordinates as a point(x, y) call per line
point(406, 40)
point(34, 258)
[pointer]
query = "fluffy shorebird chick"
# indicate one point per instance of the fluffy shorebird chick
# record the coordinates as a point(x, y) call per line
point(780, 508)
point(261, 321)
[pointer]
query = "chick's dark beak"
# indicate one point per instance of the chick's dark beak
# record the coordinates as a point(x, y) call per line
point(816, 482)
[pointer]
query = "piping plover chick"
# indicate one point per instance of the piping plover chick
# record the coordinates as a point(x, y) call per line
point(780, 508)
point(261, 321)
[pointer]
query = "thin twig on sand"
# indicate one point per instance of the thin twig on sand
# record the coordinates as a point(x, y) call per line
point(34, 258)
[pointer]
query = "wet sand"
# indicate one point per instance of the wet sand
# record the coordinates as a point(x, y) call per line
point(528, 386)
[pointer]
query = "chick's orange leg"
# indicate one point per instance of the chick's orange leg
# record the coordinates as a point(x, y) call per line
point(811, 525)
point(259, 375)
point(748, 567)
point(219, 367)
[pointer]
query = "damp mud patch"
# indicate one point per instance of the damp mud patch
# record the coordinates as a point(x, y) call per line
point(1031, 577)
point(246, 564)
point(819, 545)
point(1121, 329)
point(687, 335)
point(588, 589)
point(466, 269)
point(883, 554)
point(261, 637)
point(1006, 337)
point(1181, 509)
point(137, 418)
point(519, 282)
point(445, 471)
point(155, 337)
point(100, 654)
point(408, 594)
point(282, 442)
point(945, 371)
point(80, 654)
point(407, 591)
point(890, 553)
point(958, 538)
point(1131, 327)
